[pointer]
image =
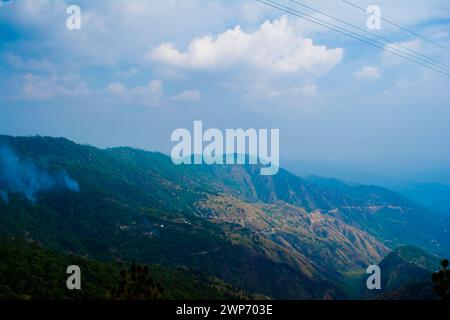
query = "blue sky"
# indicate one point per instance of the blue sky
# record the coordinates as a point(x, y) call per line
point(137, 70)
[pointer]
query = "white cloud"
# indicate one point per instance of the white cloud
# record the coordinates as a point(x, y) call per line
point(31, 64)
point(117, 88)
point(151, 94)
point(275, 46)
point(128, 73)
point(305, 91)
point(37, 87)
point(121, 26)
point(309, 90)
point(367, 73)
point(156, 88)
point(391, 59)
point(188, 95)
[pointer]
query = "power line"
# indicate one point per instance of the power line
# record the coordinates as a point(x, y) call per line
point(424, 57)
point(349, 33)
point(346, 32)
point(399, 26)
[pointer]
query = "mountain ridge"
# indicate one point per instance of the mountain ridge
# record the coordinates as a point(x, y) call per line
point(134, 203)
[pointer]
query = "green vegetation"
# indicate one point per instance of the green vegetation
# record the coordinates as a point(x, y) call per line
point(406, 275)
point(281, 237)
point(28, 271)
point(135, 284)
point(137, 206)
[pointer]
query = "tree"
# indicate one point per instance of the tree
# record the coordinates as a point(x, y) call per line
point(441, 280)
point(135, 284)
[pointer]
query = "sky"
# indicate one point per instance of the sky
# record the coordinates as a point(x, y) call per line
point(137, 70)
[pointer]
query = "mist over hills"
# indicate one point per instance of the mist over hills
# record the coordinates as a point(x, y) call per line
point(281, 236)
point(429, 188)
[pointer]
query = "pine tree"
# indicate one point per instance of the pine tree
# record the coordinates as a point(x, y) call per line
point(441, 279)
point(135, 284)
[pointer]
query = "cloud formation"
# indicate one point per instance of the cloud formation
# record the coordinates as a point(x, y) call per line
point(187, 95)
point(37, 87)
point(275, 46)
point(151, 94)
point(367, 73)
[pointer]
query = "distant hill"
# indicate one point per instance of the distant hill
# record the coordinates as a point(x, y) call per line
point(434, 196)
point(430, 189)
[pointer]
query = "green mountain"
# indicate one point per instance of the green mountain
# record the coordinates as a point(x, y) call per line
point(278, 236)
point(407, 274)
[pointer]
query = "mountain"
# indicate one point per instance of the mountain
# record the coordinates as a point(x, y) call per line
point(137, 206)
point(434, 196)
point(407, 274)
point(281, 236)
point(390, 217)
point(428, 188)
point(308, 240)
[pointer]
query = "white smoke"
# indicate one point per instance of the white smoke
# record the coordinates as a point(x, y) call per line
point(24, 177)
